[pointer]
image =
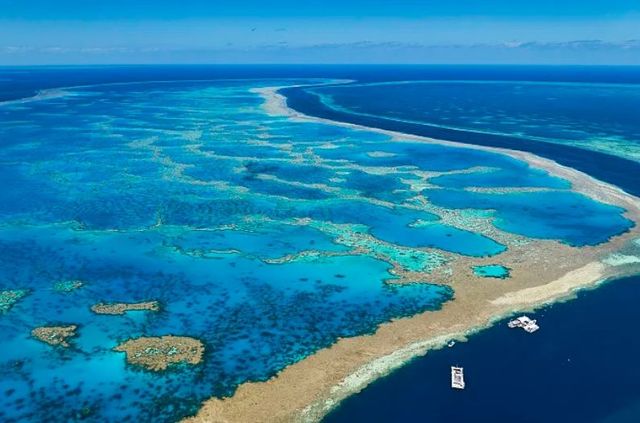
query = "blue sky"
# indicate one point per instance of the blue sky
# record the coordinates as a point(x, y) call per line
point(328, 31)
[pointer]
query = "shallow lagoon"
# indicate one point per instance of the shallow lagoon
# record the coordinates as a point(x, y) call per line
point(190, 195)
point(566, 216)
point(254, 317)
point(491, 271)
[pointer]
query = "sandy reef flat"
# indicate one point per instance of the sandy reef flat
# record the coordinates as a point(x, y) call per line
point(122, 308)
point(57, 336)
point(158, 353)
point(541, 272)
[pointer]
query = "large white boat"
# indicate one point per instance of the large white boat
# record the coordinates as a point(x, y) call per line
point(457, 377)
point(525, 323)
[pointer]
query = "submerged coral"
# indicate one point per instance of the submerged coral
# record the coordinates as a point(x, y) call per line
point(68, 286)
point(9, 298)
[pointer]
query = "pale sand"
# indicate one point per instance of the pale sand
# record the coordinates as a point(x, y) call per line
point(541, 272)
point(593, 271)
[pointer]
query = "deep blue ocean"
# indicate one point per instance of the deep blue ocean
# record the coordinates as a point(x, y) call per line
point(597, 116)
point(170, 183)
point(581, 366)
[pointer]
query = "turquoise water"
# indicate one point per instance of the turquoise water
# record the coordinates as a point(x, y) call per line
point(189, 194)
point(570, 217)
point(491, 271)
point(508, 178)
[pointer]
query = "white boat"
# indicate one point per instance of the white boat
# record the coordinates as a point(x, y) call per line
point(524, 322)
point(457, 377)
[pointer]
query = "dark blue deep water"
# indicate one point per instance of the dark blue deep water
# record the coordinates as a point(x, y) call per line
point(19, 82)
point(584, 118)
point(581, 366)
point(595, 115)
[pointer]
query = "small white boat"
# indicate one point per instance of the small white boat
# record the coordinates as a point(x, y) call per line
point(451, 344)
point(457, 377)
